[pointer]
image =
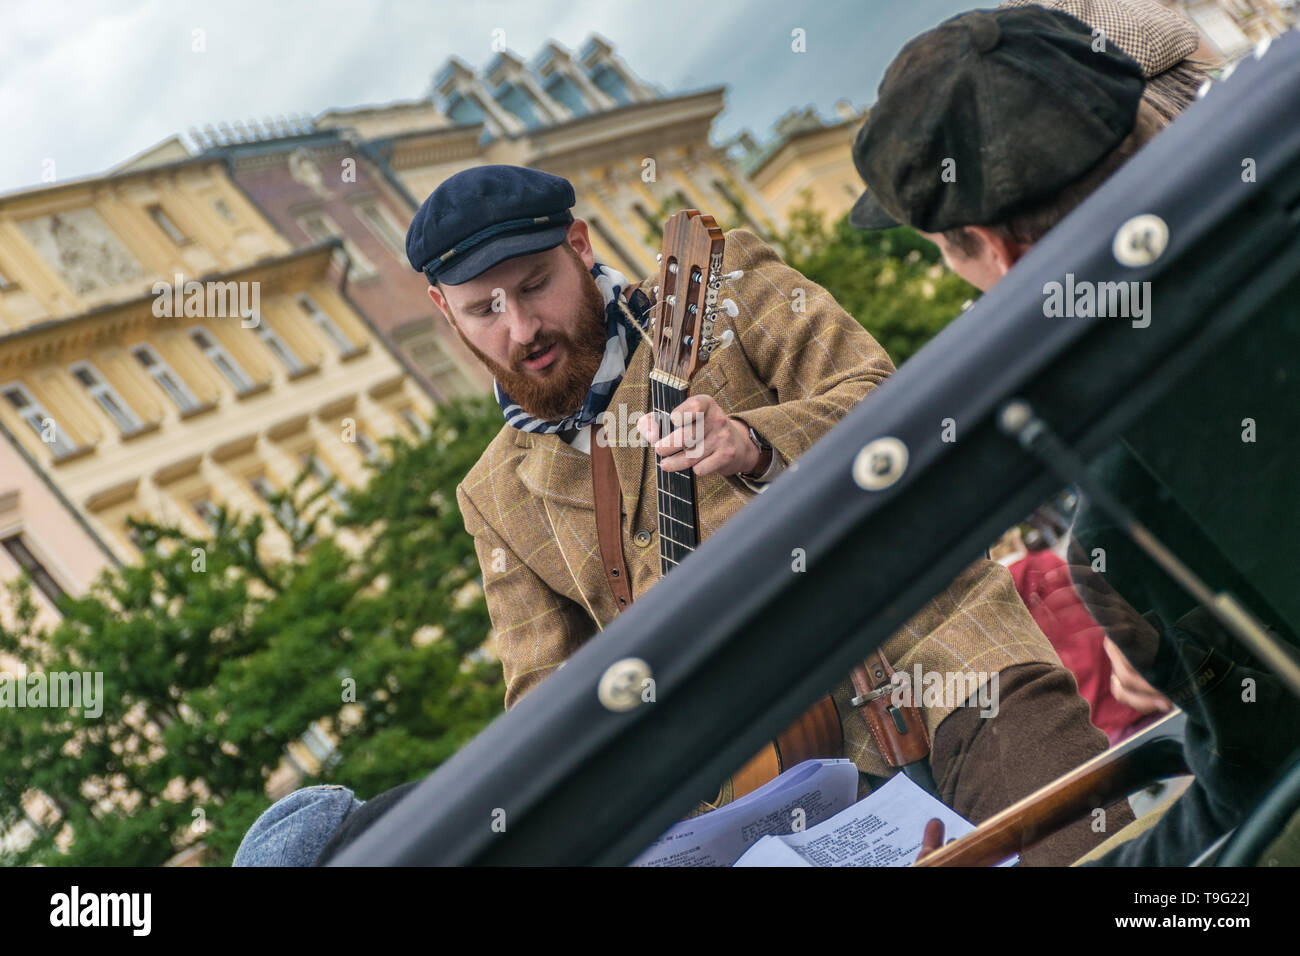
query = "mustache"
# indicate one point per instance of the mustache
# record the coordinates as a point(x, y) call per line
point(541, 345)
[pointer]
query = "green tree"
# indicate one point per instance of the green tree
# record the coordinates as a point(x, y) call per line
point(214, 659)
point(893, 281)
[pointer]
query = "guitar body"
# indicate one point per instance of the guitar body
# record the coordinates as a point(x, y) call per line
point(816, 733)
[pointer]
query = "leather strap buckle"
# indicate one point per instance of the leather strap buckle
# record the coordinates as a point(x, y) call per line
point(869, 696)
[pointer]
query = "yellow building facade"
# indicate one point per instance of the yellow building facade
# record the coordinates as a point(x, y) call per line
point(164, 351)
point(626, 146)
point(808, 163)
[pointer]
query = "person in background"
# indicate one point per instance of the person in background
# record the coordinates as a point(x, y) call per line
point(1047, 139)
point(1042, 580)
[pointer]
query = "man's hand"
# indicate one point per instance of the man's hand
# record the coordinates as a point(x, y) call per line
point(703, 438)
point(931, 840)
point(1128, 636)
point(1128, 686)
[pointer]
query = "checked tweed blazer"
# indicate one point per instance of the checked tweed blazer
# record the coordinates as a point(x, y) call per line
point(791, 375)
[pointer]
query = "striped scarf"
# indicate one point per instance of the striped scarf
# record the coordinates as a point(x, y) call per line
point(621, 340)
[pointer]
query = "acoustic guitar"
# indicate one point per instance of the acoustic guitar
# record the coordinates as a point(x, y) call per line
point(686, 307)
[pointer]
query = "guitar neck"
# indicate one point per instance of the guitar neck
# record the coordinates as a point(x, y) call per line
point(677, 526)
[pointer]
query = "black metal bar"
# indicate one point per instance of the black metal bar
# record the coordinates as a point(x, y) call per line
point(738, 642)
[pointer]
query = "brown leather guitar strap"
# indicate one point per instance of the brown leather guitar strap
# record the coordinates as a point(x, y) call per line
point(899, 732)
point(609, 524)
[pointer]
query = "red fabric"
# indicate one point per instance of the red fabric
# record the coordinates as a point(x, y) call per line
point(1043, 582)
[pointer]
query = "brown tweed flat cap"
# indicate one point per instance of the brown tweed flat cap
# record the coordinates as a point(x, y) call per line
point(1151, 33)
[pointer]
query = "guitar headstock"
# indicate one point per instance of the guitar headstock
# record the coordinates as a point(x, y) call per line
point(690, 276)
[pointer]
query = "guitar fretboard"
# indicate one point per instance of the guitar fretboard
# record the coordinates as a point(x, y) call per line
point(677, 537)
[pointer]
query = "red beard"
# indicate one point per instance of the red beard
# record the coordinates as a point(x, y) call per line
point(557, 391)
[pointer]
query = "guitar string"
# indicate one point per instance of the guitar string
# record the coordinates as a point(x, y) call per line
point(676, 500)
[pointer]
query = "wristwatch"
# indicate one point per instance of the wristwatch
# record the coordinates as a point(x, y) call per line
point(764, 455)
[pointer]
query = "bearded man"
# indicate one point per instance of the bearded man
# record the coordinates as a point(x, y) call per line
point(516, 276)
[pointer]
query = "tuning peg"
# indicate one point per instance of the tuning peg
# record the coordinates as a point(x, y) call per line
point(709, 345)
point(733, 276)
point(671, 300)
point(672, 268)
point(729, 306)
point(659, 257)
point(656, 290)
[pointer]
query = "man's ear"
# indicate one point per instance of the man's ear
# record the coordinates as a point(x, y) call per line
point(1003, 253)
point(580, 240)
point(438, 300)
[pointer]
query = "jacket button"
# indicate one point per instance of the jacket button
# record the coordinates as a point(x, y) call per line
point(642, 539)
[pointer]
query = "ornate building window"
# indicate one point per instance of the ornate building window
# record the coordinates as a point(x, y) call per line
point(33, 412)
point(656, 228)
point(166, 224)
point(286, 355)
point(320, 227)
point(629, 264)
point(205, 509)
point(737, 205)
point(283, 509)
point(381, 222)
point(415, 423)
point(326, 324)
point(107, 397)
point(41, 577)
point(311, 461)
point(167, 379)
point(223, 360)
point(369, 450)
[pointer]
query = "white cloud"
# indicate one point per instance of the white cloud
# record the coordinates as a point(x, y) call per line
point(89, 85)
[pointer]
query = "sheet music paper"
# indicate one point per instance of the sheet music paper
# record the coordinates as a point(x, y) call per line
point(883, 829)
point(820, 788)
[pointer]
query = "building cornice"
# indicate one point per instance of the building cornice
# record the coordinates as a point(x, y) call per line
point(45, 341)
point(798, 141)
point(429, 147)
point(54, 191)
point(674, 119)
point(251, 156)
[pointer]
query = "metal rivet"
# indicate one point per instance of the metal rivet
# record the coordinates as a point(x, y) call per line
point(642, 538)
point(621, 684)
point(1140, 241)
point(880, 464)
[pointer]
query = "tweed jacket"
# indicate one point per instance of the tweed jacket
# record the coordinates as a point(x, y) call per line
point(797, 364)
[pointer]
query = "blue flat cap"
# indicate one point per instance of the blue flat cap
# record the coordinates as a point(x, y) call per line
point(485, 215)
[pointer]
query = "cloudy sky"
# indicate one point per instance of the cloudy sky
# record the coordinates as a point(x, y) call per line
point(85, 85)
